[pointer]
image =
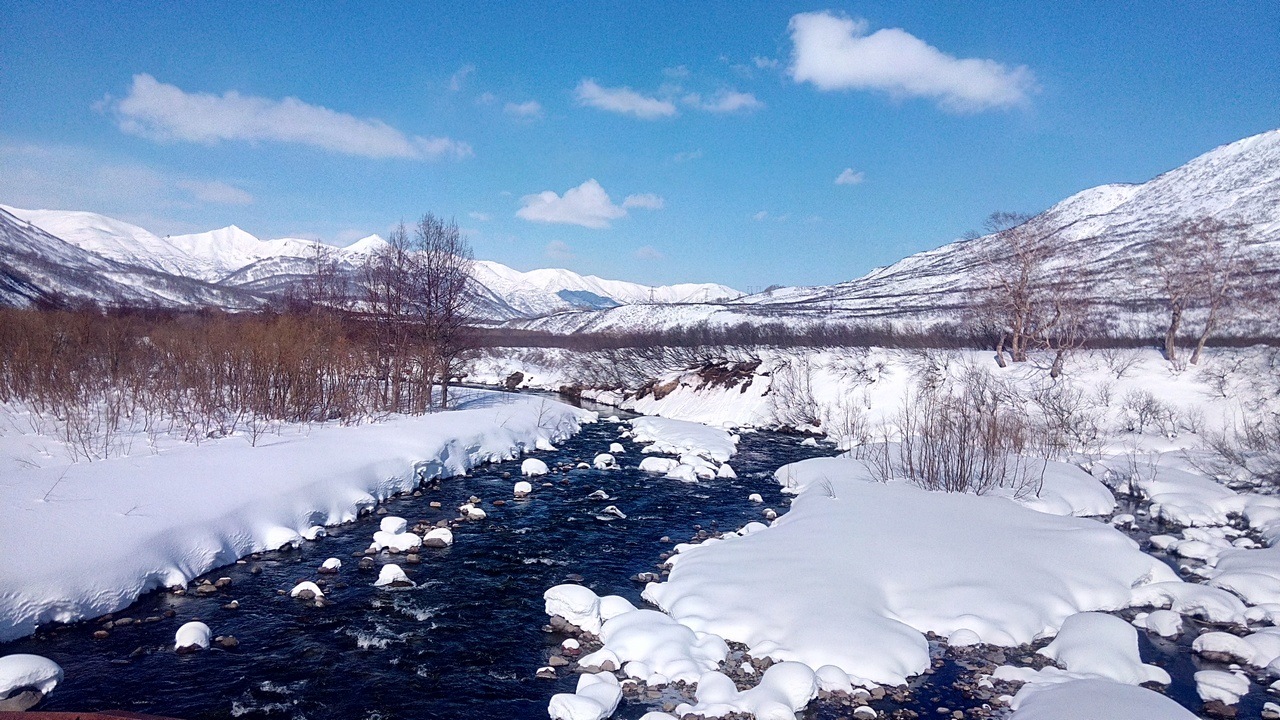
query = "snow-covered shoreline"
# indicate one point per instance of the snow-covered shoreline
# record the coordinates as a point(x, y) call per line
point(85, 539)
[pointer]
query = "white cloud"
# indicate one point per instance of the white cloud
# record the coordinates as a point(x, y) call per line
point(850, 177)
point(159, 111)
point(687, 156)
point(486, 98)
point(761, 216)
point(587, 205)
point(530, 110)
point(725, 101)
point(836, 53)
point(479, 216)
point(216, 192)
point(557, 250)
point(622, 100)
point(649, 252)
point(648, 201)
point(765, 63)
point(458, 79)
point(765, 215)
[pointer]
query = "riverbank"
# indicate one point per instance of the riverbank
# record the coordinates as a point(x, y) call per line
point(85, 539)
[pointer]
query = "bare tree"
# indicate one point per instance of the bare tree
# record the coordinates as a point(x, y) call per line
point(1199, 266)
point(1032, 297)
point(446, 266)
point(390, 277)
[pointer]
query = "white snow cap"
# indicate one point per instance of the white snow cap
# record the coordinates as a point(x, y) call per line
point(605, 461)
point(658, 465)
point(444, 534)
point(306, 585)
point(616, 448)
point(332, 563)
point(522, 489)
point(596, 697)
point(1225, 687)
point(21, 670)
point(193, 634)
point(393, 525)
point(533, 467)
point(391, 573)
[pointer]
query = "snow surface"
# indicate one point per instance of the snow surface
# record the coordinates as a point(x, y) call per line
point(824, 585)
point(161, 520)
point(1094, 700)
point(1091, 645)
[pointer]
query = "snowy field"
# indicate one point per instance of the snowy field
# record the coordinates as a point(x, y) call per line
point(85, 539)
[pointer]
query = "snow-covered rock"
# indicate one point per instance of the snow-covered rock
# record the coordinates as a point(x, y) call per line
point(331, 565)
point(306, 586)
point(1225, 687)
point(438, 535)
point(392, 575)
point(21, 670)
point(595, 698)
point(659, 465)
point(605, 461)
point(471, 512)
point(194, 635)
point(522, 489)
point(533, 467)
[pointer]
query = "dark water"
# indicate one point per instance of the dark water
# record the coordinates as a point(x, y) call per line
point(466, 642)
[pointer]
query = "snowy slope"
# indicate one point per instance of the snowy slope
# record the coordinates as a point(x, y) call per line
point(1110, 228)
point(38, 268)
point(111, 238)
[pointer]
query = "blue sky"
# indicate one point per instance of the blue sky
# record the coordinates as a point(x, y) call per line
point(714, 132)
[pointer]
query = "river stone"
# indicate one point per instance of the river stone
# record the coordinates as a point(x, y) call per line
point(557, 661)
point(546, 673)
point(226, 642)
point(23, 701)
point(101, 635)
point(366, 563)
point(222, 582)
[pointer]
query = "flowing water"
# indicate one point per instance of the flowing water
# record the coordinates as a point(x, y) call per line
point(467, 640)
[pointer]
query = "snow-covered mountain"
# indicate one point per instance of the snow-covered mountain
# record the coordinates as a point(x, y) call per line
point(253, 270)
point(1109, 228)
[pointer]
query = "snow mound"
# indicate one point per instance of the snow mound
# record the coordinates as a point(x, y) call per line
point(1094, 700)
point(1091, 645)
point(1165, 623)
point(659, 465)
point(391, 575)
point(306, 585)
point(522, 489)
point(824, 585)
point(533, 467)
point(444, 535)
point(21, 670)
point(661, 646)
point(391, 535)
point(1225, 687)
point(784, 688)
point(596, 697)
point(191, 636)
point(605, 461)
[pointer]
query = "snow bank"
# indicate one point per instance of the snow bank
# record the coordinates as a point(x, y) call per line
point(160, 520)
point(825, 584)
point(392, 575)
point(1094, 700)
point(21, 670)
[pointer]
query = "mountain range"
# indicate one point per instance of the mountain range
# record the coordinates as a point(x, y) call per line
point(1110, 230)
point(85, 256)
